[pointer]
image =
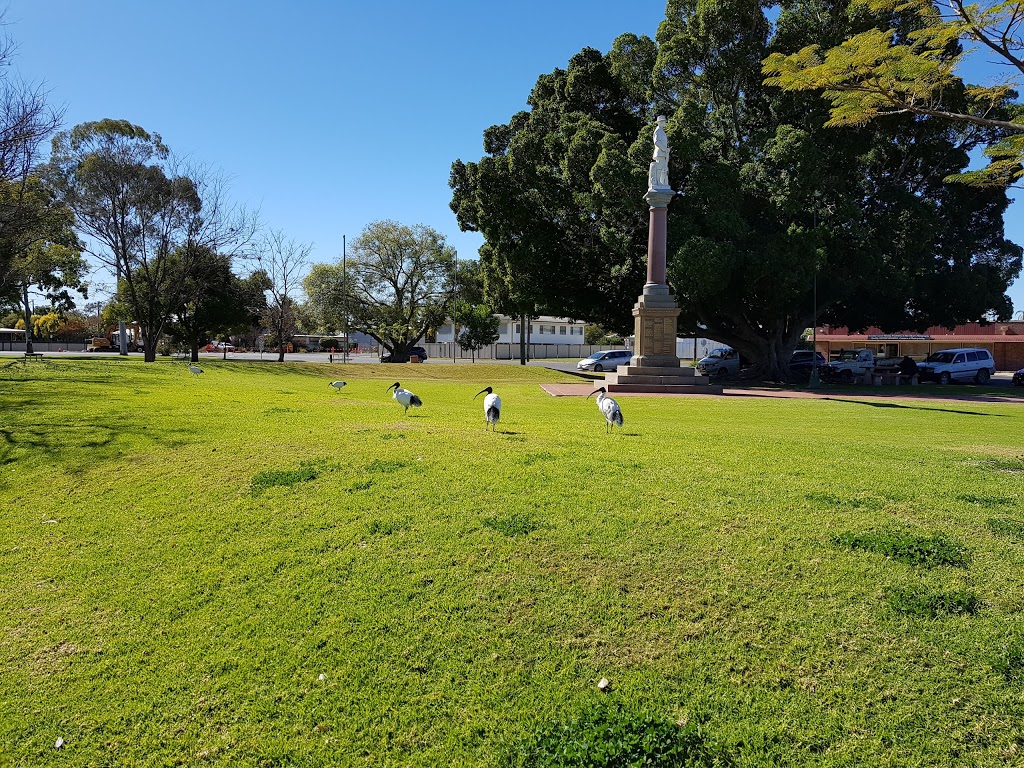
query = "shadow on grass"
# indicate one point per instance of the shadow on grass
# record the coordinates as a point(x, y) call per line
point(911, 407)
point(76, 446)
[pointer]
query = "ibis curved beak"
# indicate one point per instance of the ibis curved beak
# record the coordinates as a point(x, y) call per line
point(592, 393)
point(485, 389)
point(396, 385)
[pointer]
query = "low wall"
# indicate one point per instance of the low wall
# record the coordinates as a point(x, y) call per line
point(505, 351)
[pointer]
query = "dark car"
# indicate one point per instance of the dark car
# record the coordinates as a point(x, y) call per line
point(1018, 378)
point(802, 361)
point(419, 352)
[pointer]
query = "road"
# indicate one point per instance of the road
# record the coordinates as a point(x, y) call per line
point(1001, 378)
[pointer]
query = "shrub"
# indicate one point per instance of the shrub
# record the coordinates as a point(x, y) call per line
point(926, 551)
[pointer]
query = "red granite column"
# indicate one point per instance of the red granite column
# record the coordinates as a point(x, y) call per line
point(656, 246)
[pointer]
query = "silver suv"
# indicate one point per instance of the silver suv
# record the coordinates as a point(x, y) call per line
point(948, 365)
point(605, 361)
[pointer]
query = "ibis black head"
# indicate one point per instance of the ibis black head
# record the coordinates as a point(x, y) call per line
point(394, 386)
point(601, 389)
point(488, 390)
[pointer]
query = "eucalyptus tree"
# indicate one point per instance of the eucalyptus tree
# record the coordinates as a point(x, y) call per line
point(144, 215)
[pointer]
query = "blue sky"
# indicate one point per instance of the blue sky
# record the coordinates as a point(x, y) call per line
point(325, 114)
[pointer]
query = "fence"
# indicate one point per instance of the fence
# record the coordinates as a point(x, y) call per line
point(510, 351)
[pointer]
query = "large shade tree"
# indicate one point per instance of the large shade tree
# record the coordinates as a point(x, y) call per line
point(43, 254)
point(216, 301)
point(143, 214)
point(395, 288)
point(772, 201)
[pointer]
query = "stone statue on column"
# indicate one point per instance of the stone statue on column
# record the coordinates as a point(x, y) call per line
point(657, 179)
point(654, 366)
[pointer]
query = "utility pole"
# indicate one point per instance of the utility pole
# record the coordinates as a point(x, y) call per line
point(344, 295)
point(455, 331)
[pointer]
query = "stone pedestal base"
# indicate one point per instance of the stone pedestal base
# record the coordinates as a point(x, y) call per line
point(671, 380)
point(654, 366)
point(655, 329)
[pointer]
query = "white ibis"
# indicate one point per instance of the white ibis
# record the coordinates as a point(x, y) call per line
point(337, 385)
point(195, 369)
point(492, 406)
point(404, 397)
point(610, 409)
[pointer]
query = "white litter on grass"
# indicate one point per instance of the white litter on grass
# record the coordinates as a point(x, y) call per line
point(59, 743)
point(45, 522)
point(604, 684)
point(322, 677)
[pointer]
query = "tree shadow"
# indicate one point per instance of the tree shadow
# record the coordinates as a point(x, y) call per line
point(911, 407)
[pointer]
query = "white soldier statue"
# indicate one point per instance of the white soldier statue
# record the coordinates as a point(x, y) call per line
point(658, 174)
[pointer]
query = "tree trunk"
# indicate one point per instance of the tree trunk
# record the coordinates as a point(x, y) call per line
point(280, 343)
point(28, 319)
point(122, 339)
point(148, 349)
point(195, 352)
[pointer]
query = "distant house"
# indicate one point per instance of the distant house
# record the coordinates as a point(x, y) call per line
point(542, 330)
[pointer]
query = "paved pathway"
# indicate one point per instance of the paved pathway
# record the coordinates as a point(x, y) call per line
point(928, 395)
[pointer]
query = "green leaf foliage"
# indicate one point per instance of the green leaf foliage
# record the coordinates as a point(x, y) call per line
point(774, 206)
point(907, 61)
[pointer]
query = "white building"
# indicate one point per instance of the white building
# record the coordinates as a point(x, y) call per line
point(542, 330)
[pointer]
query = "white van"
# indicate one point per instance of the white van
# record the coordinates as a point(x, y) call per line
point(948, 365)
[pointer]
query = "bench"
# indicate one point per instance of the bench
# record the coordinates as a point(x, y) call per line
point(33, 355)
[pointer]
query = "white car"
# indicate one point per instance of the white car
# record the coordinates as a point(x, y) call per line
point(605, 361)
point(948, 365)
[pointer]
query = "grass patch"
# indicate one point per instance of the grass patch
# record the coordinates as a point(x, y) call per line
point(931, 604)
point(154, 611)
point(388, 527)
point(387, 466)
point(304, 473)
point(608, 735)
point(986, 501)
point(1007, 526)
point(1010, 662)
point(273, 478)
point(515, 524)
point(925, 551)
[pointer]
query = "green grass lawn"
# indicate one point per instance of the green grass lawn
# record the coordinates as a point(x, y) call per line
point(246, 568)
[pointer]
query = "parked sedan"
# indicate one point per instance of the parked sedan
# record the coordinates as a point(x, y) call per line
point(605, 361)
point(802, 362)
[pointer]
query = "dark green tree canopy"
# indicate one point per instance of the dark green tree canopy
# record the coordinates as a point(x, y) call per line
point(770, 201)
